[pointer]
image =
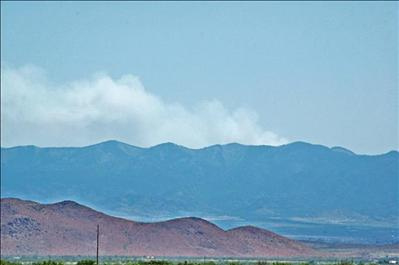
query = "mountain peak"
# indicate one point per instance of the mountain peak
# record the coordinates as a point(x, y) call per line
point(303, 144)
point(168, 145)
point(67, 203)
point(342, 150)
point(113, 143)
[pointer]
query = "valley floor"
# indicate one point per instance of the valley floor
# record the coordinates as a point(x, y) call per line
point(357, 251)
point(116, 261)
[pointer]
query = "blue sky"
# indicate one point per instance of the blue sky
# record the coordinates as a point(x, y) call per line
point(215, 72)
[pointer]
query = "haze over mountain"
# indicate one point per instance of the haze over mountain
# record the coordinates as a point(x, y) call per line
point(68, 228)
point(298, 189)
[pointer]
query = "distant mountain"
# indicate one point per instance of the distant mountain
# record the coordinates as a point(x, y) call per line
point(68, 228)
point(301, 189)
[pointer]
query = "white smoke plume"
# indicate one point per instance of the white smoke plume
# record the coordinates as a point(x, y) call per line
point(36, 111)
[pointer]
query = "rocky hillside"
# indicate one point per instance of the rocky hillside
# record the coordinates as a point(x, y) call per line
point(68, 228)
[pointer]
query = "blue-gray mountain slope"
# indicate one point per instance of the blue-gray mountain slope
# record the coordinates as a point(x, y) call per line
point(298, 183)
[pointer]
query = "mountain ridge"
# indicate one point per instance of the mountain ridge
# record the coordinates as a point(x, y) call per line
point(299, 182)
point(67, 228)
point(120, 143)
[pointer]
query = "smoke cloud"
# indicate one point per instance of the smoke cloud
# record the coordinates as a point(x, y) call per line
point(36, 111)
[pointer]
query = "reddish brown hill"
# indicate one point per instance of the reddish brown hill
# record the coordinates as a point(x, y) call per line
point(259, 241)
point(68, 228)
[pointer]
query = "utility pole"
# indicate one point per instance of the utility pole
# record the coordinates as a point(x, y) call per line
point(98, 236)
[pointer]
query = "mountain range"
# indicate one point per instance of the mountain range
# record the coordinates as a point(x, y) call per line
point(68, 228)
point(300, 190)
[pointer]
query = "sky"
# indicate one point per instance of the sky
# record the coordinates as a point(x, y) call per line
point(200, 73)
